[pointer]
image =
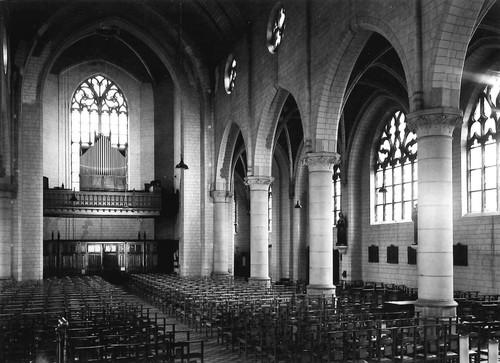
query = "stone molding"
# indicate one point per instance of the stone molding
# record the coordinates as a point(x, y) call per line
point(258, 181)
point(435, 121)
point(221, 196)
point(321, 161)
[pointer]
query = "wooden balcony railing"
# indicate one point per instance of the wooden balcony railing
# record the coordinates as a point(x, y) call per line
point(60, 202)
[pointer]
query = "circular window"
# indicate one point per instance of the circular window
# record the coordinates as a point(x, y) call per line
point(5, 52)
point(275, 28)
point(230, 74)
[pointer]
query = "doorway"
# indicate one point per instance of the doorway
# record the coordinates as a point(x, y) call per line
point(110, 257)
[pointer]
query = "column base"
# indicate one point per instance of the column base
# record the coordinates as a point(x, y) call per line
point(260, 281)
point(436, 308)
point(222, 276)
point(321, 290)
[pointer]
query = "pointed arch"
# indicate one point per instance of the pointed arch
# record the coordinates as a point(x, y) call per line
point(444, 68)
point(332, 97)
point(225, 155)
point(262, 158)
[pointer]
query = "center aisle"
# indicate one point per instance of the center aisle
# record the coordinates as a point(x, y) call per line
point(213, 351)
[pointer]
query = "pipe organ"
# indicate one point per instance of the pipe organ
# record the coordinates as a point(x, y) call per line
point(103, 167)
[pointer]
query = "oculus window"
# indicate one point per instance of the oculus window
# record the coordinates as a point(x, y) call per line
point(230, 74)
point(275, 28)
point(482, 152)
point(5, 50)
point(395, 171)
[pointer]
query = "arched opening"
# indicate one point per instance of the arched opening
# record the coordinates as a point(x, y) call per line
point(111, 182)
point(99, 136)
point(476, 145)
point(241, 211)
point(376, 88)
point(288, 142)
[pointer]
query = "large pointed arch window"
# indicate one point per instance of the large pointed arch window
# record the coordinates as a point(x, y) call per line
point(98, 111)
point(482, 152)
point(395, 171)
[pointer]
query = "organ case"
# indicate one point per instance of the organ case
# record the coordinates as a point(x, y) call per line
point(103, 167)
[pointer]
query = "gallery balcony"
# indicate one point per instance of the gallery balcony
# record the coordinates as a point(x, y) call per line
point(65, 202)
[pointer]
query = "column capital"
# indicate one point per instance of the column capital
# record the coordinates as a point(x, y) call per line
point(220, 196)
point(321, 161)
point(435, 121)
point(259, 181)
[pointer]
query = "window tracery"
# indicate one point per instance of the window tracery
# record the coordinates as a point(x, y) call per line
point(482, 152)
point(395, 171)
point(98, 107)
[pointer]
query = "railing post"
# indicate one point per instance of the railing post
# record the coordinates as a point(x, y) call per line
point(463, 343)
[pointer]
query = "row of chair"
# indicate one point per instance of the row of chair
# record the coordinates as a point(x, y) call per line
point(276, 323)
point(260, 319)
point(104, 323)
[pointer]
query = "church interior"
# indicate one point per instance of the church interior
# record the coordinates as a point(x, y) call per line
point(249, 180)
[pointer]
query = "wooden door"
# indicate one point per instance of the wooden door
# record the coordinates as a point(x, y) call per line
point(110, 257)
point(94, 251)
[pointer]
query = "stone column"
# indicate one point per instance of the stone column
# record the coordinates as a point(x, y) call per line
point(296, 232)
point(221, 241)
point(320, 210)
point(259, 234)
point(5, 235)
point(285, 243)
point(434, 128)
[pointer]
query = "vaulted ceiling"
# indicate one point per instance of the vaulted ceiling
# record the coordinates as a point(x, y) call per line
point(207, 29)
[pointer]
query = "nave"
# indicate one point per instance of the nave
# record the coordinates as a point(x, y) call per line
point(104, 323)
point(166, 318)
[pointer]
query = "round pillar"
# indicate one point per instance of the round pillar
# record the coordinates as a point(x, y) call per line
point(434, 128)
point(259, 233)
point(296, 233)
point(320, 166)
point(221, 243)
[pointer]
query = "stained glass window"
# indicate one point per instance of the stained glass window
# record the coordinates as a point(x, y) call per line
point(230, 74)
point(275, 29)
point(396, 171)
point(98, 107)
point(482, 152)
point(5, 50)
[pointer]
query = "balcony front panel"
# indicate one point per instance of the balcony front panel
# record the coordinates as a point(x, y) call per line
point(64, 202)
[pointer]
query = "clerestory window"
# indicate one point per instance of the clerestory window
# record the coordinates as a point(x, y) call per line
point(395, 171)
